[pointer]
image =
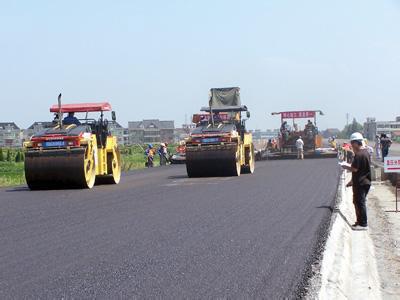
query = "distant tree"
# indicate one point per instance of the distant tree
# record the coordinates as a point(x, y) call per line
point(351, 128)
point(9, 157)
point(1, 154)
point(18, 157)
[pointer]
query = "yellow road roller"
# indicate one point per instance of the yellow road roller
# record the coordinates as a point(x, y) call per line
point(75, 153)
point(220, 144)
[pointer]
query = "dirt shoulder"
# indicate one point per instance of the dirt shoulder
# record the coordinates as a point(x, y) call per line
point(384, 231)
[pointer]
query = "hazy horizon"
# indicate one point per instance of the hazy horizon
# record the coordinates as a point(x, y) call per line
point(159, 59)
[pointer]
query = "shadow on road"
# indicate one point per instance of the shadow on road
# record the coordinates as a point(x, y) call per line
point(337, 210)
point(178, 177)
point(18, 189)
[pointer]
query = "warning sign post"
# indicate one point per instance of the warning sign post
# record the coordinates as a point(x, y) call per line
point(392, 165)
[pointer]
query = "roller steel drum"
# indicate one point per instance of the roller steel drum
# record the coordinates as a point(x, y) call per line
point(60, 168)
point(212, 160)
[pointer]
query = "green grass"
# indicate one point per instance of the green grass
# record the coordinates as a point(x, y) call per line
point(11, 173)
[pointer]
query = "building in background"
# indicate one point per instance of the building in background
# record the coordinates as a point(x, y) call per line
point(372, 127)
point(264, 135)
point(151, 131)
point(183, 132)
point(10, 135)
point(35, 128)
point(120, 132)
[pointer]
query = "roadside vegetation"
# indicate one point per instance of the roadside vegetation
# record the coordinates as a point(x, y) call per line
point(349, 129)
point(11, 167)
point(12, 163)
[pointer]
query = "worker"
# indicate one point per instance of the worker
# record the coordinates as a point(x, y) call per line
point(217, 118)
point(386, 142)
point(284, 127)
point(332, 142)
point(370, 150)
point(161, 154)
point(56, 118)
point(71, 119)
point(378, 147)
point(149, 156)
point(203, 121)
point(300, 148)
point(310, 125)
point(360, 181)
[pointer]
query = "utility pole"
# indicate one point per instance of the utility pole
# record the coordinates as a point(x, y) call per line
point(347, 119)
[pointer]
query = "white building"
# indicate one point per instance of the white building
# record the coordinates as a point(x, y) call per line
point(10, 135)
point(373, 128)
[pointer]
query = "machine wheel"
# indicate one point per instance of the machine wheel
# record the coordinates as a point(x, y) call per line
point(250, 161)
point(113, 168)
point(114, 165)
point(236, 167)
point(89, 167)
point(193, 170)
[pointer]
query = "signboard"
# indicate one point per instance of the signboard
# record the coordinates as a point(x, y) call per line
point(392, 164)
point(298, 114)
point(197, 118)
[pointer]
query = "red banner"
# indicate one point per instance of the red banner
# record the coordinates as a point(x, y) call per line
point(298, 114)
point(206, 117)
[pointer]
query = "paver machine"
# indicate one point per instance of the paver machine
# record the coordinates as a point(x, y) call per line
point(73, 155)
point(220, 144)
point(291, 130)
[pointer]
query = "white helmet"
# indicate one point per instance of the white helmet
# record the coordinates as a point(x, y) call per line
point(356, 136)
point(162, 145)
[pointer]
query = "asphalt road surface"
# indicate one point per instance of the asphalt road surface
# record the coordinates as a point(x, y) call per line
point(160, 234)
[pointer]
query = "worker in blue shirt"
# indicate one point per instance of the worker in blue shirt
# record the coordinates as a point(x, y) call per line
point(71, 119)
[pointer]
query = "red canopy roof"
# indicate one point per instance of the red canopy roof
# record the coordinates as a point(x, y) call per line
point(82, 107)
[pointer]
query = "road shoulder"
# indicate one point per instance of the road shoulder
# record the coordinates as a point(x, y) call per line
point(385, 235)
point(349, 266)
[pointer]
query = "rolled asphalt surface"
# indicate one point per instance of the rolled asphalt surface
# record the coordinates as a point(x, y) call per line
point(159, 234)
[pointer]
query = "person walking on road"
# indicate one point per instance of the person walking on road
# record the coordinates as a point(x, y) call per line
point(378, 147)
point(361, 180)
point(300, 148)
point(385, 145)
point(162, 153)
point(149, 156)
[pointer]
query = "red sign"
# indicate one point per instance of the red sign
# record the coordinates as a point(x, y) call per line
point(392, 164)
point(298, 114)
point(207, 117)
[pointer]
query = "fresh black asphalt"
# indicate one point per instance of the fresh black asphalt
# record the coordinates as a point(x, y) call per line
point(159, 234)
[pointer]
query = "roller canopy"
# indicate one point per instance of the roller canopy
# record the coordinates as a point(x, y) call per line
point(82, 107)
point(225, 97)
point(225, 108)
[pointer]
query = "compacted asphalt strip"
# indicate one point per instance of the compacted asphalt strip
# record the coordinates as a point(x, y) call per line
point(159, 234)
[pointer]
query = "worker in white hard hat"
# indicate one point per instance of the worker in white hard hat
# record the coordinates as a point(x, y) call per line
point(161, 154)
point(361, 179)
point(300, 148)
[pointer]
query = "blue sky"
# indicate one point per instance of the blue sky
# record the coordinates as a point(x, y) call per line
point(157, 59)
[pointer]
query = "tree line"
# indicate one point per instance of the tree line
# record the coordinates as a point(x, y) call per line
point(11, 156)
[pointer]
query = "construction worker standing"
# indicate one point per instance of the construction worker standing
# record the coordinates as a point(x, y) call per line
point(162, 154)
point(300, 148)
point(361, 179)
point(386, 142)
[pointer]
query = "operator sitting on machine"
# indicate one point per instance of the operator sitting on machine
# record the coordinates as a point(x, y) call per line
point(71, 119)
